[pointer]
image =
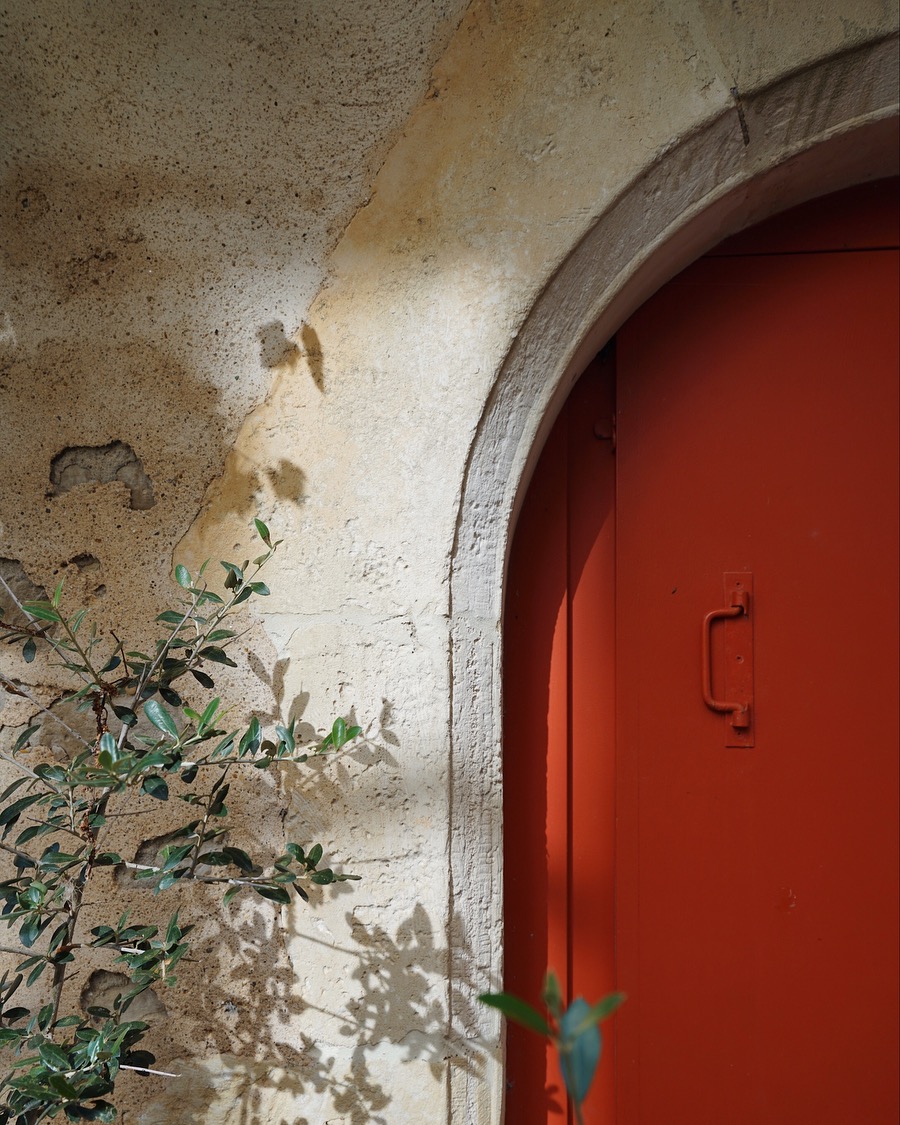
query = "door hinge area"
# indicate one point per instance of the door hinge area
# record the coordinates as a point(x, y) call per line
point(605, 430)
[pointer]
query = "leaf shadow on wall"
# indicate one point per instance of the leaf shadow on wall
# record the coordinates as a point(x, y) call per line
point(256, 1034)
point(400, 1002)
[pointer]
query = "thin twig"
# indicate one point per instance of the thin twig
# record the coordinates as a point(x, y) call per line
point(147, 1070)
point(16, 851)
point(19, 765)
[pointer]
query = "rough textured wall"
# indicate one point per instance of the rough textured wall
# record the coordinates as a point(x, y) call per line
point(166, 235)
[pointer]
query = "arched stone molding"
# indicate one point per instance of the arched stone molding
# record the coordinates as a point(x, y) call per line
point(812, 131)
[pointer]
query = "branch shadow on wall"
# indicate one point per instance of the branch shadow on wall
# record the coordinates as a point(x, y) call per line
point(254, 980)
point(400, 1000)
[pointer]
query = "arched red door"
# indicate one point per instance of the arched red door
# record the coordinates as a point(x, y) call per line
point(734, 871)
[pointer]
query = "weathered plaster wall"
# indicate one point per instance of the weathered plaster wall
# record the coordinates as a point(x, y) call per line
point(370, 351)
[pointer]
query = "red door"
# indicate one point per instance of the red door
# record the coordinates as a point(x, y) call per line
point(744, 896)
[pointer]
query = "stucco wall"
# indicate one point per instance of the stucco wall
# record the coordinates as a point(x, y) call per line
point(352, 315)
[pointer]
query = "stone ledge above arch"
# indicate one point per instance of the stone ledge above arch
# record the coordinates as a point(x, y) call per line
point(811, 132)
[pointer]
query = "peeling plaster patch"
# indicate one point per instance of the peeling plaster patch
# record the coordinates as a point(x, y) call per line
point(148, 853)
point(103, 987)
point(13, 574)
point(86, 464)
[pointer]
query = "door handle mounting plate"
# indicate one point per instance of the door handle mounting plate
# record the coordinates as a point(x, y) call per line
point(737, 682)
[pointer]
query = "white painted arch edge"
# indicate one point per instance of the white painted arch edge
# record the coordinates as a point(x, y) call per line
point(812, 132)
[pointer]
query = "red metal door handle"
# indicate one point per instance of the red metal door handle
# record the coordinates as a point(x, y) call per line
point(738, 657)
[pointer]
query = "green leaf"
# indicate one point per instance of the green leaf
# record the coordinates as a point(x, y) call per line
point(113, 662)
point(60, 1085)
point(36, 972)
point(107, 859)
point(579, 1049)
point(553, 994)
point(240, 859)
point(11, 813)
point(173, 930)
point(209, 713)
point(125, 714)
point(160, 717)
point(100, 1111)
point(515, 1009)
point(108, 745)
point(170, 617)
point(230, 893)
point(315, 854)
point(217, 805)
point(202, 678)
point(155, 786)
point(263, 532)
point(183, 576)
point(67, 1021)
point(324, 877)
point(217, 655)
point(209, 596)
point(606, 1006)
point(275, 893)
point(250, 741)
point(173, 855)
point(220, 635)
point(260, 588)
point(14, 785)
point(43, 611)
point(31, 930)
point(23, 738)
point(77, 619)
point(234, 576)
point(52, 1055)
point(29, 650)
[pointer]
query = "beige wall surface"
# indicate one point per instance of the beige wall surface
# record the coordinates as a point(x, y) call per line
point(334, 265)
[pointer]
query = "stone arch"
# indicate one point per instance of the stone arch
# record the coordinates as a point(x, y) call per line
point(811, 132)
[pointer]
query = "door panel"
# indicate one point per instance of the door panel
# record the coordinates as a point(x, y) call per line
point(559, 698)
point(755, 925)
point(758, 933)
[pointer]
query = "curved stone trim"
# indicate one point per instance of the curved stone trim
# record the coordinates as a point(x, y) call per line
point(812, 132)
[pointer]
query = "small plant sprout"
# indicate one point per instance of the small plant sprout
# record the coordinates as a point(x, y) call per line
point(574, 1032)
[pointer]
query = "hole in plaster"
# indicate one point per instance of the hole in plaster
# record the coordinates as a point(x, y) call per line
point(13, 574)
point(31, 204)
point(103, 987)
point(85, 562)
point(89, 464)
